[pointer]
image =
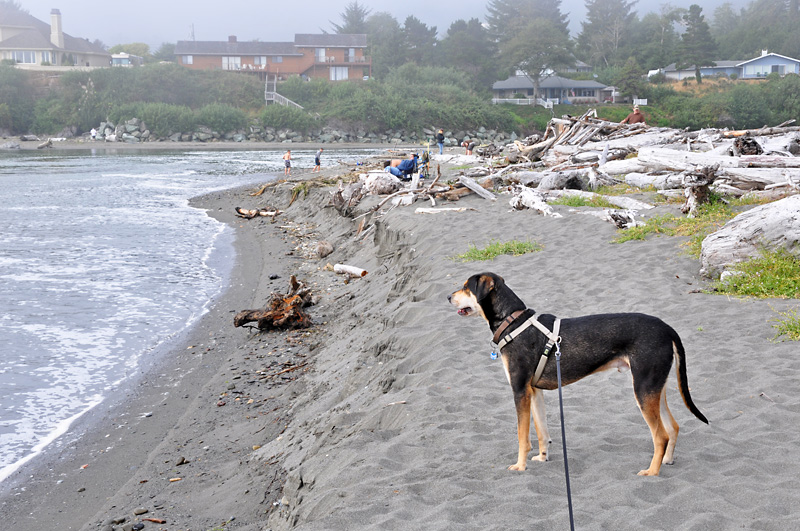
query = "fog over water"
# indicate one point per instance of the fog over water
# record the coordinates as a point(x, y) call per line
point(155, 22)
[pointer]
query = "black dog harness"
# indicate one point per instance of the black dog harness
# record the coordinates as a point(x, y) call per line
point(502, 340)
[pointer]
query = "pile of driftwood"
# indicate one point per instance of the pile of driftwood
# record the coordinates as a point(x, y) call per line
point(282, 312)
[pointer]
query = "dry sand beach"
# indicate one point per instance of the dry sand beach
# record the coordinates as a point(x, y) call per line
point(389, 413)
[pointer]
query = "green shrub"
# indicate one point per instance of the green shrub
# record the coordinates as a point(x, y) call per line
point(285, 117)
point(164, 120)
point(221, 118)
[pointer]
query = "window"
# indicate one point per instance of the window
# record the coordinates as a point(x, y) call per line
point(586, 93)
point(45, 57)
point(188, 59)
point(339, 73)
point(260, 60)
point(781, 69)
point(277, 59)
point(350, 55)
point(24, 57)
point(319, 53)
point(231, 63)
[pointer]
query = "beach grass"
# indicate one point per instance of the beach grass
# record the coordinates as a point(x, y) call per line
point(773, 274)
point(788, 325)
point(709, 218)
point(577, 201)
point(496, 248)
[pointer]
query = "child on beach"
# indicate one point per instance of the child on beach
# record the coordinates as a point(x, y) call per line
point(317, 161)
point(287, 161)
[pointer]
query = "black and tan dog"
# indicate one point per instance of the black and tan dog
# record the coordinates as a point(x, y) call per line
point(589, 344)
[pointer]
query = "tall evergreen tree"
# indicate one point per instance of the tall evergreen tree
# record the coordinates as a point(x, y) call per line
point(608, 24)
point(419, 41)
point(468, 48)
point(506, 17)
point(385, 43)
point(655, 42)
point(698, 47)
point(354, 19)
point(536, 47)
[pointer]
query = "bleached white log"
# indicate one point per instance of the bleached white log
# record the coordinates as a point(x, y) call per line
point(771, 226)
point(439, 210)
point(352, 271)
point(661, 181)
point(529, 198)
point(754, 178)
point(685, 160)
point(478, 189)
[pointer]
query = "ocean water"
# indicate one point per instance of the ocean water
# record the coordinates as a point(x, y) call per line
point(102, 261)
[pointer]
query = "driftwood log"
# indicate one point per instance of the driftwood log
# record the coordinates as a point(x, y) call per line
point(697, 188)
point(771, 226)
point(283, 312)
point(250, 213)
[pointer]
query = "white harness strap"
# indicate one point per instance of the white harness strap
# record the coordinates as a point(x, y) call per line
point(552, 339)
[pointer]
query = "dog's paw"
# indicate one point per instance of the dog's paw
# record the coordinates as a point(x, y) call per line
point(647, 473)
point(540, 457)
point(518, 467)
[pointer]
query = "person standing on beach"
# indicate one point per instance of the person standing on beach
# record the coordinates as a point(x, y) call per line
point(317, 160)
point(440, 140)
point(287, 162)
point(93, 132)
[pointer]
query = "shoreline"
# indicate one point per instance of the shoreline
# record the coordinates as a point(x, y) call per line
point(393, 416)
point(81, 144)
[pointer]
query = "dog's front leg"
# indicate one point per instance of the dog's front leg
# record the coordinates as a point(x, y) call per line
point(540, 424)
point(522, 401)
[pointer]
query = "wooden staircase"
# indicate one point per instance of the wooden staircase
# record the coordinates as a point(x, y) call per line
point(271, 95)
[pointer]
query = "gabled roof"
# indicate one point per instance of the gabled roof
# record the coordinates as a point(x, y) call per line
point(37, 37)
point(235, 48)
point(330, 40)
point(768, 55)
point(20, 19)
point(523, 82)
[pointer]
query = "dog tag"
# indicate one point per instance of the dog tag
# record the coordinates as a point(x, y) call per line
point(493, 355)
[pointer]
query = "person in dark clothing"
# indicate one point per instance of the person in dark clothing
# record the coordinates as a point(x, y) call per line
point(635, 117)
point(440, 140)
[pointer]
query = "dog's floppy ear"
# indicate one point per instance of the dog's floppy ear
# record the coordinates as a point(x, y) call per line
point(483, 284)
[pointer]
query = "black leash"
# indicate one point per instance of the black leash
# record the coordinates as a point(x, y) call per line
point(564, 436)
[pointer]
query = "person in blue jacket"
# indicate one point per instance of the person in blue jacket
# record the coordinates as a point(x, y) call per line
point(405, 169)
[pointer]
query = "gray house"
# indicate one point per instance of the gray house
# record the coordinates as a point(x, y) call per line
point(555, 88)
point(756, 68)
point(31, 43)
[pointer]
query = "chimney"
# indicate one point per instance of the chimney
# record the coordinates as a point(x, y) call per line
point(56, 32)
point(232, 38)
point(764, 52)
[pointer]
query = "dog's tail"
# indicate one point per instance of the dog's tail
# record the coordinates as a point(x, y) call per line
point(683, 381)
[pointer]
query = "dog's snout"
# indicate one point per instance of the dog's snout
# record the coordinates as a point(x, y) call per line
point(449, 298)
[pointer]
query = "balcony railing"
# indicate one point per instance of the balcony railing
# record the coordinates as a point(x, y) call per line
point(348, 60)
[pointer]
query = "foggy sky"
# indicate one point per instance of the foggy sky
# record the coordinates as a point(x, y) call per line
point(157, 21)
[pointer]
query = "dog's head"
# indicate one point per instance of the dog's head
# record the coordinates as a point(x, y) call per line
point(472, 298)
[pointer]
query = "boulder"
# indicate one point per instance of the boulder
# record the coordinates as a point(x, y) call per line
point(9, 145)
point(770, 227)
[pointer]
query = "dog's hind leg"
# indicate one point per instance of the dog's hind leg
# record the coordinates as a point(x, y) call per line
point(540, 424)
point(650, 406)
point(522, 401)
point(672, 429)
